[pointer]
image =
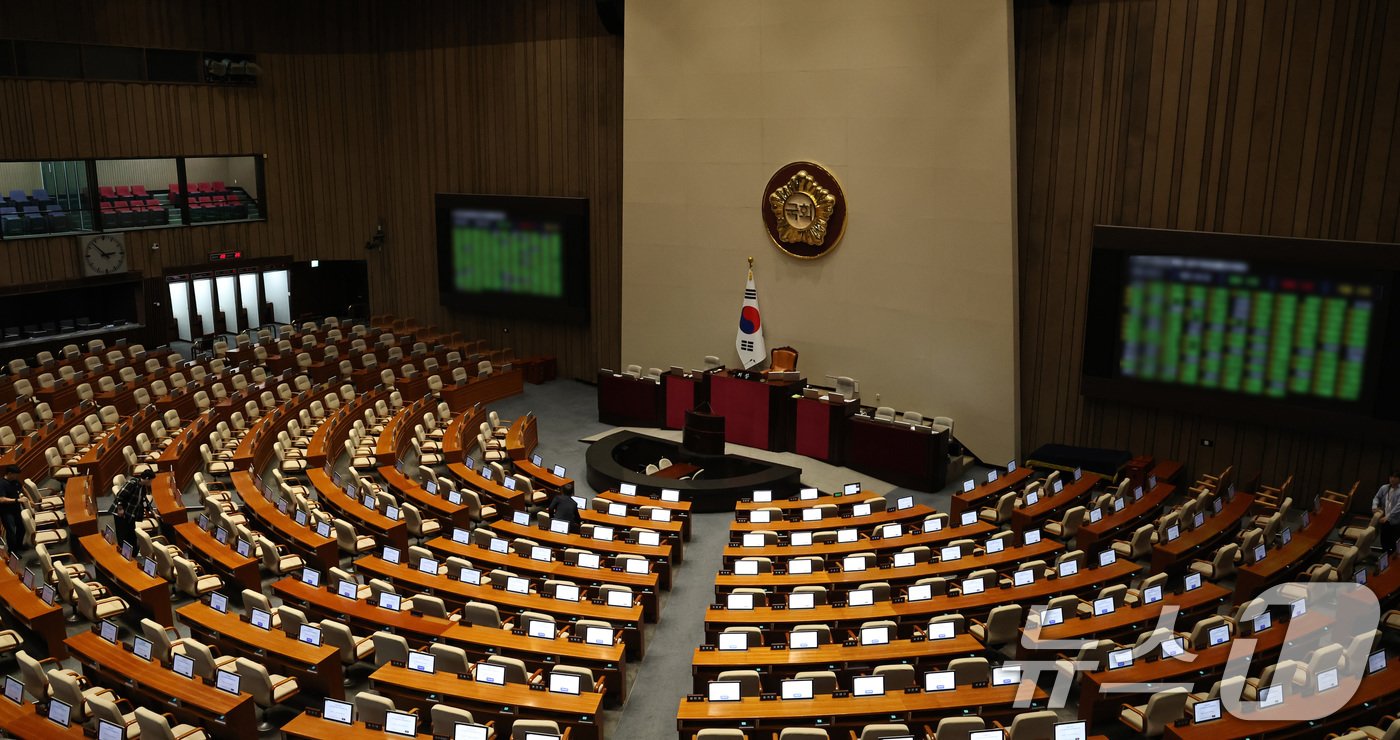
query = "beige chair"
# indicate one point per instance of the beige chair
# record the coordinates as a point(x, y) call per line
point(275, 559)
point(206, 663)
point(1001, 513)
point(190, 582)
point(515, 669)
point(967, 671)
point(352, 649)
point(268, 689)
point(70, 691)
point(883, 730)
point(523, 727)
point(1002, 625)
point(720, 733)
point(898, 676)
point(1030, 725)
point(349, 540)
point(119, 711)
point(1140, 546)
point(450, 658)
point(445, 719)
point(34, 677)
point(749, 684)
point(823, 682)
point(1068, 526)
point(803, 733)
point(959, 728)
point(165, 641)
point(1220, 567)
point(1152, 718)
point(388, 648)
point(93, 609)
point(155, 726)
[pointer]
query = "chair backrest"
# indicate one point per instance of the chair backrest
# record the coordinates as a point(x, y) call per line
point(967, 671)
point(748, 681)
point(1032, 725)
point(523, 727)
point(32, 674)
point(782, 359)
point(885, 413)
point(1163, 708)
point(876, 732)
point(515, 670)
point(153, 726)
point(445, 718)
point(373, 708)
point(960, 728)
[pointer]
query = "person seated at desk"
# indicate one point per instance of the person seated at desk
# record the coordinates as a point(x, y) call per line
point(563, 508)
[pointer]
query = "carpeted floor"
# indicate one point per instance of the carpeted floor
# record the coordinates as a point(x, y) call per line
point(568, 414)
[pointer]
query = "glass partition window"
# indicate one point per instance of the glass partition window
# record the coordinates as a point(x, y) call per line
point(69, 196)
point(47, 197)
point(135, 193)
point(222, 189)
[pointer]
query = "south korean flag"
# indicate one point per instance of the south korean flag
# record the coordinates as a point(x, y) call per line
point(749, 342)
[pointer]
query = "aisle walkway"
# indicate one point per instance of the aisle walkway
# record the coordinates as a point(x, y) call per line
point(568, 413)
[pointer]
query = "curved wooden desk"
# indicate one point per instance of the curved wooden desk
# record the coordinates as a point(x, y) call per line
point(1283, 563)
point(30, 611)
point(775, 665)
point(306, 727)
point(777, 622)
point(645, 586)
point(457, 593)
point(659, 555)
point(386, 531)
point(1172, 555)
point(321, 552)
point(1003, 561)
point(479, 642)
point(852, 713)
point(232, 568)
point(24, 721)
point(221, 714)
point(1053, 504)
point(126, 578)
point(987, 493)
point(502, 704)
point(317, 669)
point(882, 547)
point(875, 519)
point(1375, 695)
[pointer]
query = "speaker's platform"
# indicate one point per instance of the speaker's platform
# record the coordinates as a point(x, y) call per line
point(714, 482)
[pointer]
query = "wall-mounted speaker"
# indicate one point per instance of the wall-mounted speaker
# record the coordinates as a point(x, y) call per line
point(610, 13)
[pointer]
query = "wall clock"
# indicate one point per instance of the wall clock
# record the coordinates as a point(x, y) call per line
point(103, 254)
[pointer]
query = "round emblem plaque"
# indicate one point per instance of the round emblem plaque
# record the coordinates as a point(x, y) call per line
point(804, 210)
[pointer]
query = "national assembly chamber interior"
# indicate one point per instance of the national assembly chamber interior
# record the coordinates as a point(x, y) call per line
point(709, 370)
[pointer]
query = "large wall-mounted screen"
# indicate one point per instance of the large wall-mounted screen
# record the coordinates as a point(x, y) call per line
point(1254, 327)
point(514, 256)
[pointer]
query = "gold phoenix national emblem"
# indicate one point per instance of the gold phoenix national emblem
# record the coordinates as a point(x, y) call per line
point(805, 210)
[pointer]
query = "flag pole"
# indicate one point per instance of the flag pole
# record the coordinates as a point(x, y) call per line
point(751, 268)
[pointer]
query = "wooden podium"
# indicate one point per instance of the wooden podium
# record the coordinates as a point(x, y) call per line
point(704, 432)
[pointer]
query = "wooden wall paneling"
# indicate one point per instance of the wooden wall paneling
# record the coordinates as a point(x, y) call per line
point(362, 119)
point(1218, 115)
